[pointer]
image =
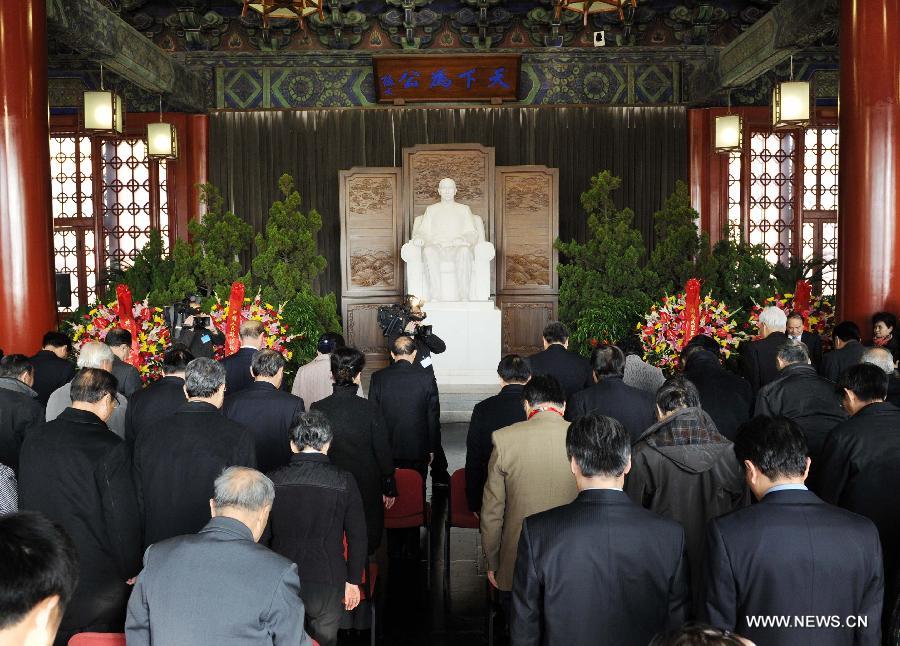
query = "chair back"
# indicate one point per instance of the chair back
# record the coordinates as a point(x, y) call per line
point(409, 507)
point(460, 516)
point(97, 639)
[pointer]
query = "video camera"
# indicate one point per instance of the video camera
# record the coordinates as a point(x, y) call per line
point(393, 319)
point(176, 313)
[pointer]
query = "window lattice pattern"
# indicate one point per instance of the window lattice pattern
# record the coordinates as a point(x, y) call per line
point(772, 193)
point(734, 197)
point(164, 203)
point(126, 199)
point(820, 161)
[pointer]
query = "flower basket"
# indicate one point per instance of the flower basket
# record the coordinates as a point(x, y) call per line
point(276, 331)
point(819, 316)
point(153, 334)
point(663, 330)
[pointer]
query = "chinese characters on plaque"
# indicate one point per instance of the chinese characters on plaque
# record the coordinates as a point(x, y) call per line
point(447, 78)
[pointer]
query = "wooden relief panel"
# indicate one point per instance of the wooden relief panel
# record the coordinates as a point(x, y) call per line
point(527, 224)
point(362, 331)
point(370, 231)
point(471, 166)
point(523, 320)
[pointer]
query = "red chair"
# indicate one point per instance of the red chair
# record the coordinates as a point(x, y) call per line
point(97, 639)
point(458, 515)
point(411, 510)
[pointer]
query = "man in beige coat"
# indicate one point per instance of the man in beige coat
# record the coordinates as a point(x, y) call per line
point(528, 473)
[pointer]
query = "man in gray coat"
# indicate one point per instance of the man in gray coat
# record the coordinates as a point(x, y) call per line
point(219, 587)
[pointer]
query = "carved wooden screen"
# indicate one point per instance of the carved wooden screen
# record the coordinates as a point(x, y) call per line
point(772, 190)
point(527, 223)
point(471, 166)
point(370, 231)
point(371, 270)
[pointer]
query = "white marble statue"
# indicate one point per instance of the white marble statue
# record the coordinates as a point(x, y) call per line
point(447, 258)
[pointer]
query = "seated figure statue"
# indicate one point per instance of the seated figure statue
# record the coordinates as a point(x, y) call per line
point(447, 258)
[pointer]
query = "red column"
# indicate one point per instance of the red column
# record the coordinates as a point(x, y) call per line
point(869, 215)
point(27, 297)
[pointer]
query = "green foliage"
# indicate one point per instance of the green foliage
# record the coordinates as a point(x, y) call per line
point(737, 274)
point(609, 320)
point(212, 258)
point(150, 273)
point(679, 243)
point(609, 263)
point(311, 315)
point(786, 276)
point(287, 256)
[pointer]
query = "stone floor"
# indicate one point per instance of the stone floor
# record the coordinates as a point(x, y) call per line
point(410, 614)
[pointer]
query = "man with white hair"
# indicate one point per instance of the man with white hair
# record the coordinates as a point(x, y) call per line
point(883, 358)
point(759, 358)
point(219, 586)
point(93, 354)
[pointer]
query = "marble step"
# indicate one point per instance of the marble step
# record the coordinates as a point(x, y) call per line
point(458, 400)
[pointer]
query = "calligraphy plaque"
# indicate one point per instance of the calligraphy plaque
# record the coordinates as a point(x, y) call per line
point(473, 77)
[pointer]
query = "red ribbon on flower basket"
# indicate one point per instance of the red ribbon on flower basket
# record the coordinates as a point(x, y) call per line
point(691, 310)
point(233, 320)
point(802, 295)
point(125, 312)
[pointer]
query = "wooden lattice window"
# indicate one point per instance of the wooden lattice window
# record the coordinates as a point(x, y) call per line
point(783, 194)
point(105, 190)
point(820, 201)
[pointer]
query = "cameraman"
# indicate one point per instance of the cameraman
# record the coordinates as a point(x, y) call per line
point(200, 339)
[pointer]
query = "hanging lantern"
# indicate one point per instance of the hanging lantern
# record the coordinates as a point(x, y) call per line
point(162, 141)
point(284, 9)
point(587, 7)
point(104, 111)
point(729, 133)
point(791, 101)
point(162, 138)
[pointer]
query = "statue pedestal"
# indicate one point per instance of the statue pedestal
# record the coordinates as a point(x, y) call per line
point(471, 330)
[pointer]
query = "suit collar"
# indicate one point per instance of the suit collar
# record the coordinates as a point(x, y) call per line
point(556, 347)
point(797, 369)
point(264, 386)
point(594, 496)
point(234, 529)
point(81, 417)
point(17, 386)
point(171, 379)
point(297, 458)
point(877, 408)
point(197, 407)
point(512, 389)
point(402, 364)
point(791, 497)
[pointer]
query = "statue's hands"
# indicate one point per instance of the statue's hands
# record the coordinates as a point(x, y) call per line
point(418, 242)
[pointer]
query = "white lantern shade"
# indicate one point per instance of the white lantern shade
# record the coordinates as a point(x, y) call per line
point(104, 111)
point(791, 104)
point(162, 141)
point(728, 133)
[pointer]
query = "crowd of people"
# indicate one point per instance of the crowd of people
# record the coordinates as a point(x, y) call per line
point(616, 506)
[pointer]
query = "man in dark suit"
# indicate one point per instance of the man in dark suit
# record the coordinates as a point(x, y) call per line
point(848, 351)
point(801, 395)
point(792, 555)
point(811, 340)
point(758, 358)
point(52, 367)
point(237, 365)
point(39, 566)
point(266, 411)
point(726, 397)
point(499, 411)
point(570, 369)
point(599, 570)
point(160, 399)
point(20, 410)
point(119, 341)
point(318, 511)
point(408, 399)
point(858, 470)
point(252, 594)
point(75, 471)
point(177, 458)
point(635, 409)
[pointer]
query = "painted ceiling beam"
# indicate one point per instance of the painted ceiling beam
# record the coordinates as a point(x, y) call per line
point(96, 32)
point(785, 30)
